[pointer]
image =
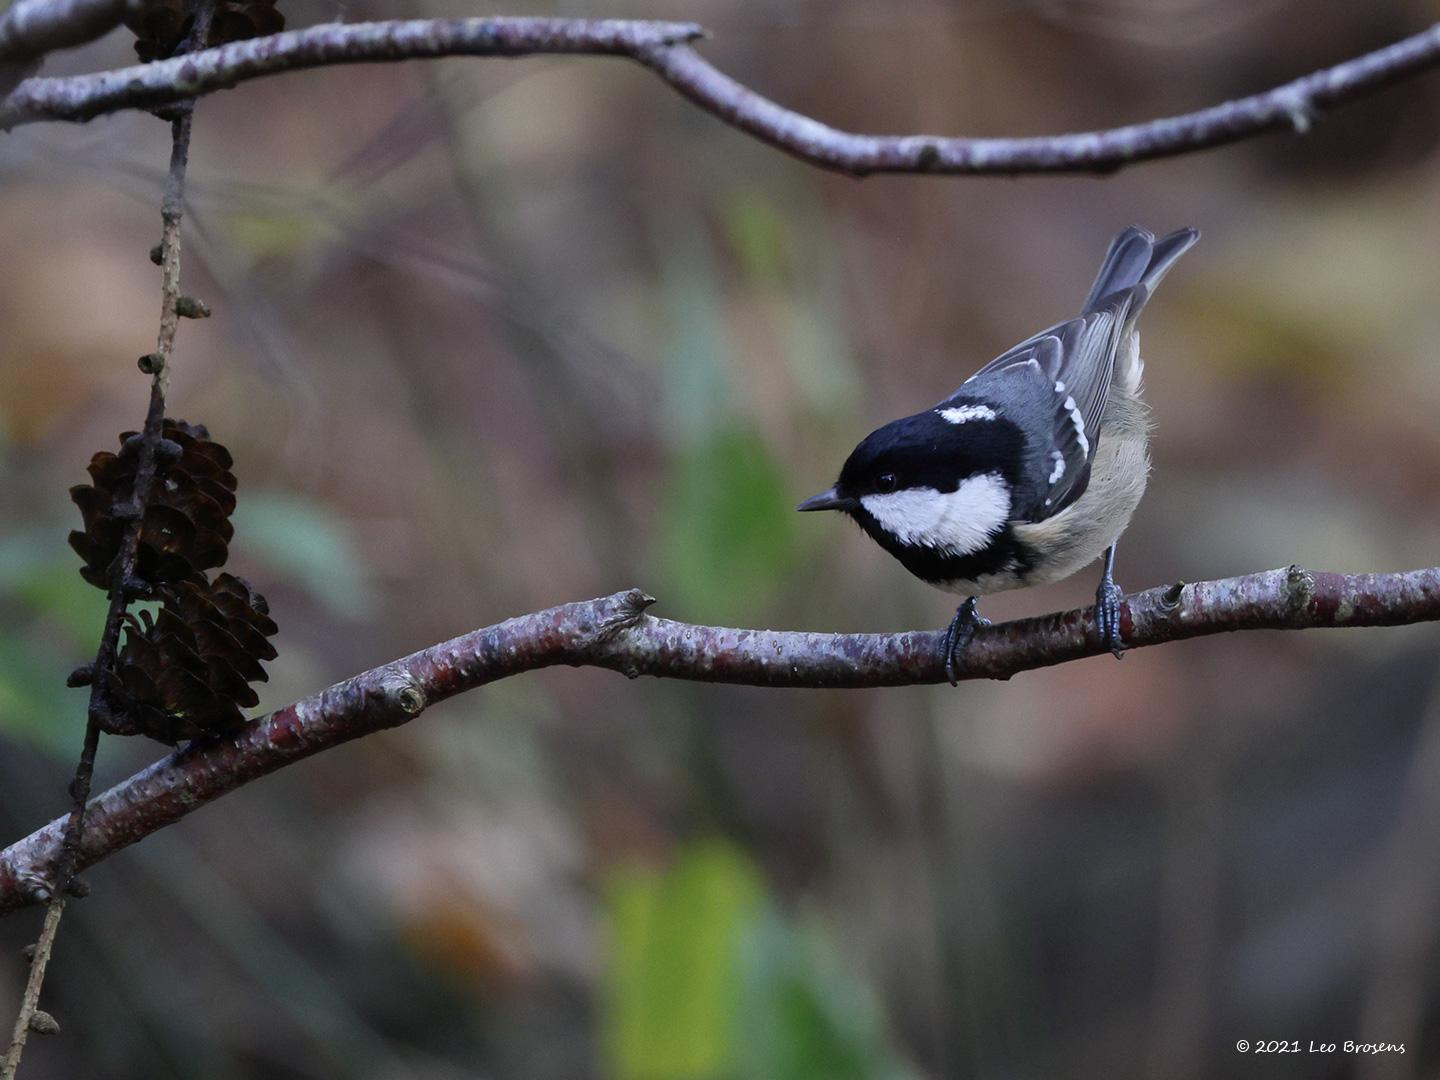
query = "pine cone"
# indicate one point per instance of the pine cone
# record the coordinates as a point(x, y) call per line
point(162, 26)
point(185, 672)
point(187, 522)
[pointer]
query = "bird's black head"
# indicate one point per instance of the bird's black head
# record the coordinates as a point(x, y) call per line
point(941, 480)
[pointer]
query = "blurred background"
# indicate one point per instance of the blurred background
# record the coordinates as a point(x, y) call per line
point(494, 335)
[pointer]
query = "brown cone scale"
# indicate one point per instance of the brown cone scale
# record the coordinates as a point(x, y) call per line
point(183, 671)
point(161, 26)
point(187, 523)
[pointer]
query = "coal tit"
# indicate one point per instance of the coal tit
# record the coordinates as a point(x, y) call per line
point(1033, 467)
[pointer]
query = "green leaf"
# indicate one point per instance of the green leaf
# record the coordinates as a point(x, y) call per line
point(307, 544)
point(35, 705)
point(286, 234)
point(24, 551)
point(707, 979)
point(804, 1015)
point(697, 395)
point(727, 534)
point(757, 232)
point(59, 594)
point(674, 986)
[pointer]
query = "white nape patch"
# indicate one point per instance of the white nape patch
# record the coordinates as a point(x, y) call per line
point(1079, 422)
point(959, 522)
point(1059, 470)
point(960, 413)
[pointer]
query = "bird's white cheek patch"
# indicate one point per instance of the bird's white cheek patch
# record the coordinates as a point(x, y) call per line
point(958, 522)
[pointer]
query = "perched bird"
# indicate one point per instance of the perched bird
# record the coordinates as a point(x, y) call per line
point(1033, 467)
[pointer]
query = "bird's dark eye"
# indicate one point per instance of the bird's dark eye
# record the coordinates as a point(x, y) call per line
point(885, 482)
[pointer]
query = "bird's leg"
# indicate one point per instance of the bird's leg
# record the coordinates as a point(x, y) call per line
point(961, 629)
point(1107, 607)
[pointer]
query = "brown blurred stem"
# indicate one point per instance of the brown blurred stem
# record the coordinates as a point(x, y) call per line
point(125, 585)
point(663, 47)
point(615, 632)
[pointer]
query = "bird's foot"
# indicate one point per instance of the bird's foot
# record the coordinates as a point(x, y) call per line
point(961, 629)
point(1107, 616)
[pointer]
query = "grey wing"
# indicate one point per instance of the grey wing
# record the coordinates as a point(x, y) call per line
point(1074, 362)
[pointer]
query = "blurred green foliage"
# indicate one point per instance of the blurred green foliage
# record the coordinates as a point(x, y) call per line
point(309, 546)
point(726, 534)
point(56, 592)
point(696, 378)
point(708, 979)
point(675, 949)
point(35, 707)
point(51, 618)
point(804, 1015)
point(284, 232)
point(758, 236)
point(727, 531)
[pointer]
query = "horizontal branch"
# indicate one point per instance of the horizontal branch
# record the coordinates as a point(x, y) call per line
point(1294, 105)
point(663, 48)
point(615, 632)
point(146, 86)
point(31, 28)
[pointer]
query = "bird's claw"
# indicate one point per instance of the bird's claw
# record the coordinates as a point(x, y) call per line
point(958, 634)
point(1107, 617)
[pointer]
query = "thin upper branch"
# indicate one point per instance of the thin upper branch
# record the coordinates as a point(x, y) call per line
point(1294, 105)
point(615, 632)
point(662, 47)
point(31, 28)
point(146, 86)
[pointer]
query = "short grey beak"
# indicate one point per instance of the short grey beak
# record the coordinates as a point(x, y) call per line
point(827, 500)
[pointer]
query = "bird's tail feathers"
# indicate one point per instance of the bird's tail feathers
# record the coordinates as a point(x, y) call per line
point(1137, 261)
point(1135, 264)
